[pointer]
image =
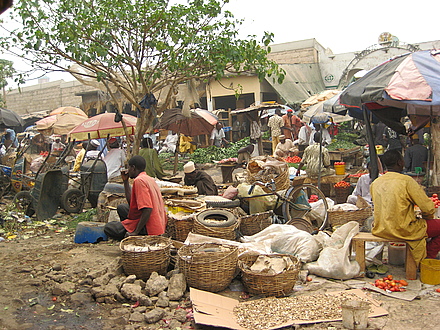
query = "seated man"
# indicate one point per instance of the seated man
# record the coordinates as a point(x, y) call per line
point(115, 159)
point(248, 152)
point(285, 148)
point(204, 183)
point(363, 186)
point(394, 197)
point(145, 214)
point(415, 155)
point(311, 159)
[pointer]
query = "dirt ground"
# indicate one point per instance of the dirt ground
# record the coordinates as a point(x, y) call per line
point(49, 251)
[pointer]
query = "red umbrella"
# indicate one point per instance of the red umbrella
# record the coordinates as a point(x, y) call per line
point(102, 125)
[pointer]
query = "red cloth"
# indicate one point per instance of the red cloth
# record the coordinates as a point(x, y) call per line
point(145, 193)
point(293, 122)
point(433, 231)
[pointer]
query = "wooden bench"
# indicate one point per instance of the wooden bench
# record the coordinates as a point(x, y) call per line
point(359, 248)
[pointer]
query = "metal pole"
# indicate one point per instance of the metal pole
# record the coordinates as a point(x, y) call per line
point(320, 156)
point(374, 173)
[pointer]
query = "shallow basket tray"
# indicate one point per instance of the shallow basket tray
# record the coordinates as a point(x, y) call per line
point(143, 263)
point(208, 266)
point(254, 223)
point(269, 285)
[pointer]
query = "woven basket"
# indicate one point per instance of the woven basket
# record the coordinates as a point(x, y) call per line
point(228, 233)
point(341, 194)
point(254, 172)
point(298, 180)
point(183, 228)
point(270, 285)
point(142, 264)
point(254, 223)
point(326, 189)
point(208, 266)
point(338, 218)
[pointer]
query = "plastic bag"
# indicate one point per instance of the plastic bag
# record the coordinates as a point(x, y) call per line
point(36, 164)
point(258, 204)
point(288, 239)
point(333, 261)
point(230, 192)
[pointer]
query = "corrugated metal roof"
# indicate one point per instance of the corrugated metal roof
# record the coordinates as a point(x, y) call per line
point(301, 81)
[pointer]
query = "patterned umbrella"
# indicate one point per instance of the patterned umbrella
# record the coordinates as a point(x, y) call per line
point(102, 125)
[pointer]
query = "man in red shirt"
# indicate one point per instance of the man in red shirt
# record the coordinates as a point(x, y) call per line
point(146, 213)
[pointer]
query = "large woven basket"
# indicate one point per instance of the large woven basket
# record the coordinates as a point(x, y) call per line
point(183, 228)
point(254, 223)
point(270, 285)
point(142, 264)
point(341, 194)
point(255, 172)
point(338, 218)
point(208, 266)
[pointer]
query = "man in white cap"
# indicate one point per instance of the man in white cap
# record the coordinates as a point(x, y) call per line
point(285, 148)
point(92, 150)
point(204, 183)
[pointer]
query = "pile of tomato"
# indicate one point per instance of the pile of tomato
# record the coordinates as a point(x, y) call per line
point(44, 153)
point(339, 163)
point(294, 159)
point(356, 175)
point(391, 285)
point(341, 184)
point(436, 201)
point(313, 198)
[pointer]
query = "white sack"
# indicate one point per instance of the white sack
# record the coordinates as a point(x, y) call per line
point(333, 261)
point(288, 239)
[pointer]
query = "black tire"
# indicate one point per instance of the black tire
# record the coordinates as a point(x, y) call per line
point(319, 220)
point(72, 200)
point(223, 204)
point(226, 218)
point(22, 201)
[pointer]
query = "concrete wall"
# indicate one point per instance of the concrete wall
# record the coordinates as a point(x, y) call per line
point(47, 96)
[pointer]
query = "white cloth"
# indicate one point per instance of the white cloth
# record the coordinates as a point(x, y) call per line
point(169, 145)
point(218, 136)
point(304, 135)
point(114, 160)
point(91, 154)
point(57, 146)
point(326, 136)
point(255, 153)
point(362, 189)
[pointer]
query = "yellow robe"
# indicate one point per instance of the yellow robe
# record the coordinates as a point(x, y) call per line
point(394, 196)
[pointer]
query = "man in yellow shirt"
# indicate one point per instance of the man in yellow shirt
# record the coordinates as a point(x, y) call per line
point(394, 196)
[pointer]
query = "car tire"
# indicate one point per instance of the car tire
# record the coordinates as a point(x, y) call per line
point(226, 218)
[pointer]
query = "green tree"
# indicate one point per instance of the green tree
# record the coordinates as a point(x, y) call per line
point(138, 47)
point(6, 71)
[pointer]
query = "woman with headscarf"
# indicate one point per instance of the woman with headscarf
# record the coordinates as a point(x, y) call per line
point(153, 167)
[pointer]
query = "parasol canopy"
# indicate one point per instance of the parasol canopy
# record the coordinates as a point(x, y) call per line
point(102, 125)
point(318, 109)
point(200, 122)
point(405, 84)
point(9, 118)
point(72, 110)
point(59, 124)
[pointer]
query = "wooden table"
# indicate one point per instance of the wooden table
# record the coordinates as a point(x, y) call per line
point(346, 155)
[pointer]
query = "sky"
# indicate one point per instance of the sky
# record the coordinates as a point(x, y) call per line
point(341, 25)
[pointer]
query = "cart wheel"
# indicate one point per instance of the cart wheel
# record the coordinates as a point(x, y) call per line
point(72, 200)
point(22, 200)
point(296, 205)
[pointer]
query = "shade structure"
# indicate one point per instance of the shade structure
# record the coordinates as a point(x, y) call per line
point(317, 109)
point(103, 125)
point(410, 82)
point(59, 124)
point(9, 118)
point(71, 110)
point(199, 122)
